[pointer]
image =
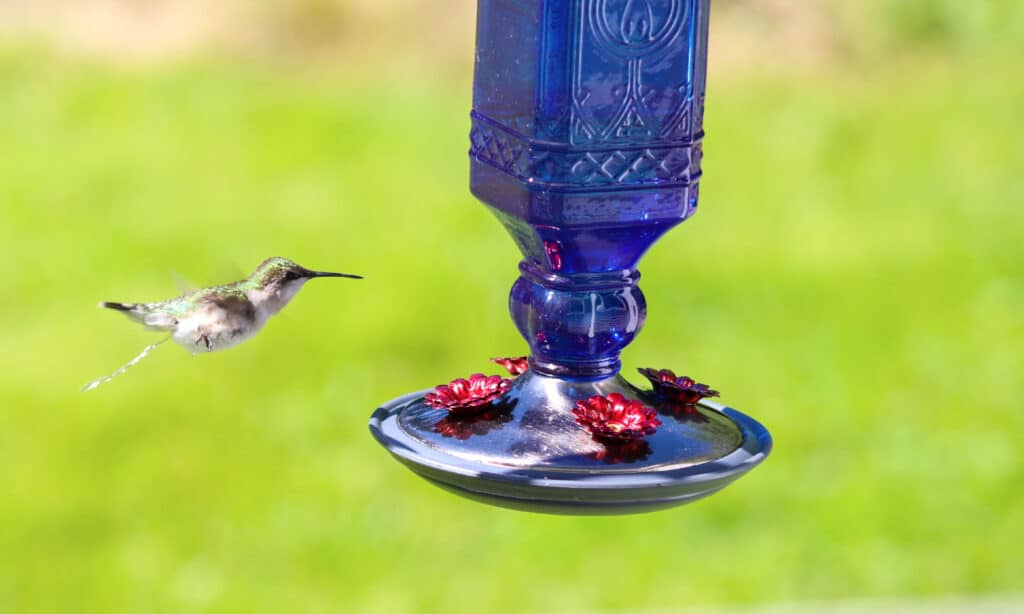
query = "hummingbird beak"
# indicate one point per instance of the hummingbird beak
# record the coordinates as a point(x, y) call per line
point(329, 274)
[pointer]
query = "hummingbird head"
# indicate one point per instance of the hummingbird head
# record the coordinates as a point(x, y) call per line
point(277, 280)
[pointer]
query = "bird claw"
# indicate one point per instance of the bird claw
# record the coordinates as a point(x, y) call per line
point(205, 339)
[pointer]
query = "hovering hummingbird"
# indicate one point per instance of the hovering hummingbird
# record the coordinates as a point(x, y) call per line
point(219, 317)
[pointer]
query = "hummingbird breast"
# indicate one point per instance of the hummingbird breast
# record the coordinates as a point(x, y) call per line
point(218, 323)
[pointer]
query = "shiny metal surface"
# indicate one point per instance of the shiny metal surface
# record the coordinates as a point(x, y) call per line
point(537, 429)
point(532, 455)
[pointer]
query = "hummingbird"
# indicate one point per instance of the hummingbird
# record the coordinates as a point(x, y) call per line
point(219, 317)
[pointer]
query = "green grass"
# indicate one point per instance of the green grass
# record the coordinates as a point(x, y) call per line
point(854, 280)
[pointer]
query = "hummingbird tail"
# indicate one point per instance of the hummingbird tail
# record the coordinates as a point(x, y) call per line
point(143, 313)
point(134, 361)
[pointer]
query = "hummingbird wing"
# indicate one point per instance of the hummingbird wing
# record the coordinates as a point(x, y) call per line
point(224, 274)
point(182, 284)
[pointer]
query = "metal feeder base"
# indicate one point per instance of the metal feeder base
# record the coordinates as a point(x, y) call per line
point(531, 455)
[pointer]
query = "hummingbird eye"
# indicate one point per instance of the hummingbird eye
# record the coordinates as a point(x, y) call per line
point(290, 275)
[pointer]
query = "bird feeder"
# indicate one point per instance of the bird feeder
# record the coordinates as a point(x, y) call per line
point(586, 145)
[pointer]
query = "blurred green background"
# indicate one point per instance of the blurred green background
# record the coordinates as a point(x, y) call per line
point(854, 279)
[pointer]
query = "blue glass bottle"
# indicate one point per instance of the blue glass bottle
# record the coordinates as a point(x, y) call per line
point(586, 144)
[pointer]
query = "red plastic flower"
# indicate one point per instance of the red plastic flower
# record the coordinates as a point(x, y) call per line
point(551, 248)
point(515, 366)
point(615, 417)
point(468, 396)
point(679, 389)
